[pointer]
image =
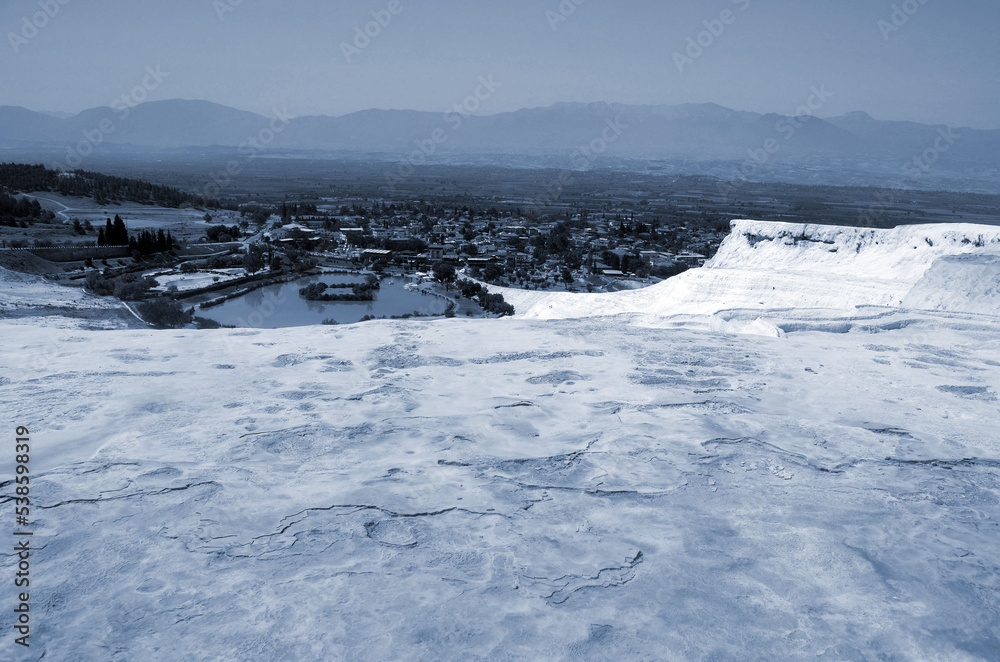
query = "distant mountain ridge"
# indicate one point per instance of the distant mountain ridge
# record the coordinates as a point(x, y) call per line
point(588, 130)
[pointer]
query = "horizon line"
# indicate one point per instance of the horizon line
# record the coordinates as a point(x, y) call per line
point(64, 115)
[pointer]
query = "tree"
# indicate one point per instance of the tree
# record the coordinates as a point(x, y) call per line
point(494, 303)
point(221, 233)
point(444, 273)
point(611, 259)
point(133, 288)
point(165, 313)
point(254, 260)
point(567, 277)
point(120, 232)
point(559, 240)
point(260, 215)
point(100, 285)
point(469, 289)
point(493, 272)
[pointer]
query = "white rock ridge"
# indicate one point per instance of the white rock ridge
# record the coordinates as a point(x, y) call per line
point(775, 266)
point(628, 488)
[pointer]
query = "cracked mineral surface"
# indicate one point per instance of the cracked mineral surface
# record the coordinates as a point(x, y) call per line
point(779, 483)
point(555, 502)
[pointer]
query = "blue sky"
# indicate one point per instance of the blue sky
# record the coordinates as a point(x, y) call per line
point(940, 65)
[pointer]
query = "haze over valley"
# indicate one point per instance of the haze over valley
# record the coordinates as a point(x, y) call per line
point(479, 331)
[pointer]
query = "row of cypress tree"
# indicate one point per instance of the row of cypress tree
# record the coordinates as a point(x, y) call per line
point(114, 233)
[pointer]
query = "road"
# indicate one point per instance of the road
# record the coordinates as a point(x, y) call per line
point(62, 213)
point(268, 226)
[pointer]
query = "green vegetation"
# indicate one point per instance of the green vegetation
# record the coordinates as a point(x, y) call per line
point(146, 242)
point(20, 212)
point(165, 313)
point(104, 189)
point(491, 303)
point(255, 258)
point(444, 272)
point(206, 323)
point(221, 233)
point(359, 291)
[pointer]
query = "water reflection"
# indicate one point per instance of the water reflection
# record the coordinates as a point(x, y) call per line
point(279, 306)
point(255, 299)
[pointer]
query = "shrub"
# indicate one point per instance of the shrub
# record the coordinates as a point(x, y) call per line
point(130, 288)
point(220, 233)
point(165, 313)
point(206, 323)
point(444, 272)
point(100, 285)
point(254, 260)
point(494, 303)
point(469, 289)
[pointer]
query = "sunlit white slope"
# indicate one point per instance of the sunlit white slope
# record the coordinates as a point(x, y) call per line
point(24, 292)
point(598, 489)
point(959, 283)
point(767, 266)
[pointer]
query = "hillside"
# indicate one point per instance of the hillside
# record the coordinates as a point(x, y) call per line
point(700, 132)
point(643, 486)
point(104, 189)
point(764, 266)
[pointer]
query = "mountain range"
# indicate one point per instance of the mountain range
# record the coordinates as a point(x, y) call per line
point(583, 132)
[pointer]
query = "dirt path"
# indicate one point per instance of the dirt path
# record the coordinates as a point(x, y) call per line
point(62, 213)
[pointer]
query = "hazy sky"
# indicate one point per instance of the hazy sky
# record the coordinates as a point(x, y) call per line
point(940, 65)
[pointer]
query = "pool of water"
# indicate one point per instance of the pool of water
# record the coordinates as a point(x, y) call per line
point(281, 306)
